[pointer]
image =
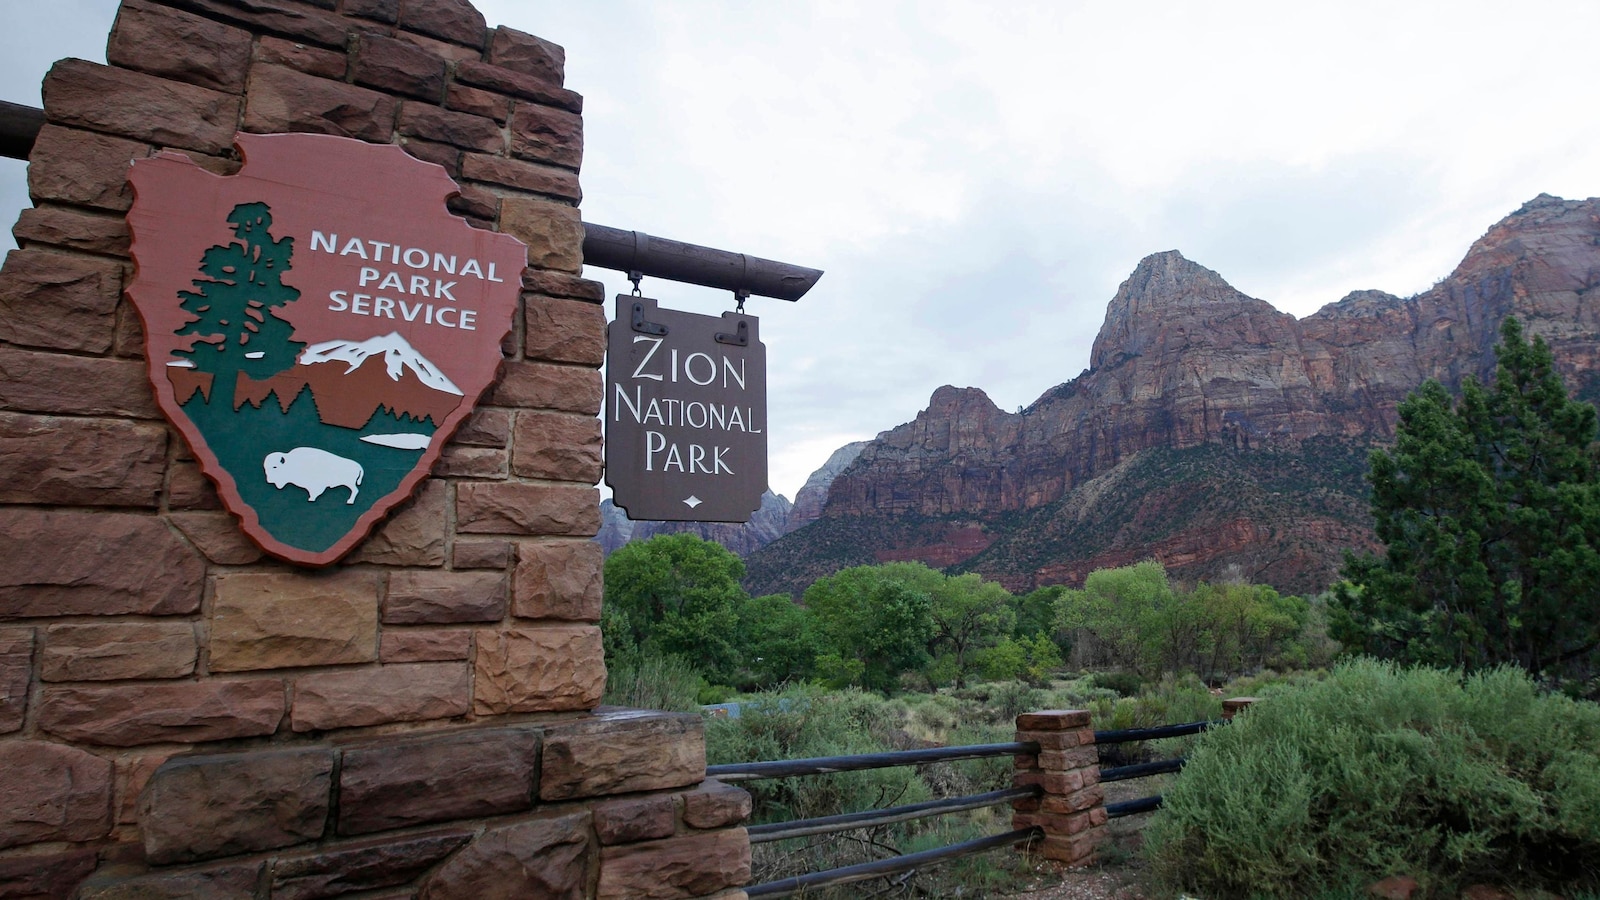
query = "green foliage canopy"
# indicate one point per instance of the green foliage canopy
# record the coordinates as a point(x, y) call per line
point(1490, 511)
point(677, 594)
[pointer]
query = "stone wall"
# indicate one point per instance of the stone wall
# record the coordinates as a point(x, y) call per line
point(182, 716)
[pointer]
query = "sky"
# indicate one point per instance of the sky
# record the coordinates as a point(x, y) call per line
point(976, 179)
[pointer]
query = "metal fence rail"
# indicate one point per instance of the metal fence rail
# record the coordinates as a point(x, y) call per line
point(778, 831)
point(824, 765)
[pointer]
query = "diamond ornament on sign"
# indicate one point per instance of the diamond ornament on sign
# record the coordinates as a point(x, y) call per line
point(316, 327)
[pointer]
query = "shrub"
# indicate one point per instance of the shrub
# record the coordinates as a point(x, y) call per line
point(1379, 771)
point(649, 680)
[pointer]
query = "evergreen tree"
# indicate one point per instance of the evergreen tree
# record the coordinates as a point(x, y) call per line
point(1490, 510)
point(233, 306)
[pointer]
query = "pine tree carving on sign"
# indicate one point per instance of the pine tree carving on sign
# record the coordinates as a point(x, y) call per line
point(235, 302)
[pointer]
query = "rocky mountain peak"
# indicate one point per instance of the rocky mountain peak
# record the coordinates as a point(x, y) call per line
point(1164, 287)
point(1240, 432)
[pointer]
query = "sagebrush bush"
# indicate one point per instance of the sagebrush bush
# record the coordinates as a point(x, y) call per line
point(804, 722)
point(649, 680)
point(1380, 771)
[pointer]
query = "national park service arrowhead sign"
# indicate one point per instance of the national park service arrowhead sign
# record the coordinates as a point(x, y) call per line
point(686, 414)
point(316, 326)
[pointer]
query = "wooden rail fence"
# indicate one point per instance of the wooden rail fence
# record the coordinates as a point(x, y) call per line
point(1056, 794)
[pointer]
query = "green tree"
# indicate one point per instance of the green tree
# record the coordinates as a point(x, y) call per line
point(233, 307)
point(873, 623)
point(1119, 616)
point(777, 641)
point(679, 595)
point(1489, 509)
point(970, 615)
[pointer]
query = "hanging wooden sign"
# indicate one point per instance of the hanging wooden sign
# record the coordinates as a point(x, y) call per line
point(686, 414)
point(316, 326)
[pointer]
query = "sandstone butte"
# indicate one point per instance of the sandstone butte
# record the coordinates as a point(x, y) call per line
point(1211, 431)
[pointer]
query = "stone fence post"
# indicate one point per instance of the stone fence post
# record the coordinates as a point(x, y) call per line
point(1071, 809)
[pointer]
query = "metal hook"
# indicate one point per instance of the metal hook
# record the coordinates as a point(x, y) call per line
point(636, 277)
point(740, 296)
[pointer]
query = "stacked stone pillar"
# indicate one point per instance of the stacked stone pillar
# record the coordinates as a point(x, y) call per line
point(183, 716)
point(1071, 806)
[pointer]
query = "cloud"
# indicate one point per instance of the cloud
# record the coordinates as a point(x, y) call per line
point(976, 179)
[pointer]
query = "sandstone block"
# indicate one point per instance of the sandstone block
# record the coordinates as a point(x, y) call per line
point(553, 232)
point(398, 67)
point(271, 51)
point(225, 882)
point(442, 49)
point(409, 645)
point(715, 805)
point(547, 134)
point(529, 55)
point(283, 99)
point(515, 173)
point(515, 508)
point(481, 554)
point(440, 598)
point(433, 123)
point(558, 580)
point(162, 41)
point(688, 866)
point(275, 620)
point(1051, 782)
point(75, 229)
point(188, 488)
point(52, 793)
point(570, 331)
point(414, 535)
point(351, 868)
point(620, 752)
point(449, 20)
point(131, 773)
point(636, 819)
point(401, 782)
point(557, 284)
point(475, 203)
point(557, 446)
point(538, 670)
point(526, 87)
point(379, 10)
point(543, 857)
point(486, 427)
point(118, 650)
point(202, 807)
point(143, 107)
point(32, 381)
point(59, 301)
point(439, 154)
point(485, 463)
point(189, 712)
point(82, 167)
point(1054, 740)
point(45, 875)
point(1075, 801)
point(91, 462)
point(476, 102)
point(16, 676)
point(541, 385)
point(1053, 720)
point(413, 692)
point(1074, 850)
point(1080, 757)
point(284, 18)
point(94, 564)
point(217, 535)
